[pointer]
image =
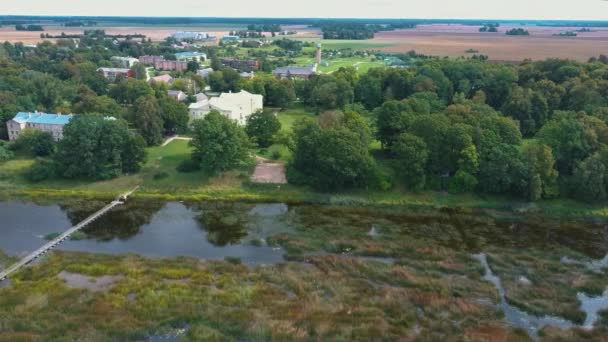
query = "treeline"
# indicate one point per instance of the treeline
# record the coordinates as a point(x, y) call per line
point(264, 27)
point(517, 32)
point(347, 30)
point(79, 23)
point(94, 34)
point(20, 27)
point(489, 28)
point(358, 30)
point(538, 130)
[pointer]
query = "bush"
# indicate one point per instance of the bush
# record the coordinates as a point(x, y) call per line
point(275, 155)
point(188, 165)
point(160, 175)
point(36, 142)
point(5, 154)
point(42, 169)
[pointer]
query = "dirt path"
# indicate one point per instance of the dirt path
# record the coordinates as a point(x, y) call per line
point(168, 141)
point(268, 172)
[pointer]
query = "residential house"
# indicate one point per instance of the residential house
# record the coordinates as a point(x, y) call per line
point(200, 108)
point(194, 36)
point(191, 56)
point(241, 64)
point(247, 74)
point(237, 106)
point(51, 123)
point(150, 60)
point(124, 62)
point(204, 73)
point(112, 73)
point(160, 63)
point(295, 71)
point(178, 95)
point(231, 38)
point(162, 79)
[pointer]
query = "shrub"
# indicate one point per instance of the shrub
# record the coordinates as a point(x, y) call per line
point(275, 155)
point(188, 165)
point(5, 154)
point(160, 175)
point(42, 169)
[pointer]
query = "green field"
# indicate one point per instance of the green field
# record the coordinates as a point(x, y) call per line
point(342, 44)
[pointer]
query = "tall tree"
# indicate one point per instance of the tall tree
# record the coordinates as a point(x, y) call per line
point(147, 118)
point(95, 147)
point(411, 155)
point(219, 143)
point(261, 128)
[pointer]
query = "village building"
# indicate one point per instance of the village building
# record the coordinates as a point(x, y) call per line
point(231, 38)
point(111, 74)
point(160, 63)
point(200, 108)
point(191, 56)
point(178, 95)
point(237, 106)
point(204, 73)
point(150, 60)
point(124, 62)
point(241, 64)
point(295, 71)
point(50, 123)
point(194, 36)
point(162, 79)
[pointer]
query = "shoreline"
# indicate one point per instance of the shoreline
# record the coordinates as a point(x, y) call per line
point(555, 209)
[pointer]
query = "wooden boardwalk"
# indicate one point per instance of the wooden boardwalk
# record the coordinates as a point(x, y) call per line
point(63, 236)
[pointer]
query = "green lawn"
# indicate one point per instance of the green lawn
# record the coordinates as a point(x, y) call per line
point(289, 116)
point(343, 44)
point(363, 64)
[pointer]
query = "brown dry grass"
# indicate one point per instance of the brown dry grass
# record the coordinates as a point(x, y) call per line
point(453, 40)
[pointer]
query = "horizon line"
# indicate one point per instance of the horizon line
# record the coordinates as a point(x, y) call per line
point(294, 18)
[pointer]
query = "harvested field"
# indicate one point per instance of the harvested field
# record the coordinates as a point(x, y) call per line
point(156, 33)
point(454, 40)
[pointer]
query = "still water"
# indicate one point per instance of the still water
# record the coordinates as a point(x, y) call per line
point(174, 230)
point(237, 230)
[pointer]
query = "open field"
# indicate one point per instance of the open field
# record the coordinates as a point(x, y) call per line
point(453, 40)
point(432, 39)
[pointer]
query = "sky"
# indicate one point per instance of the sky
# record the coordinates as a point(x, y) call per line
point(439, 9)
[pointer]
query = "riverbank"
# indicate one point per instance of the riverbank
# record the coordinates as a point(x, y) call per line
point(302, 272)
point(549, 209)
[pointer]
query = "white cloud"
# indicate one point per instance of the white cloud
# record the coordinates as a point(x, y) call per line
point(466, 9)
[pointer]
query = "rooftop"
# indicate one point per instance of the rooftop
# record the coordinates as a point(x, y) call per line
point(43, 118)
point(162, 78)
point(295, 70)
point(123, 70)
point(189, 54)
point(233, 101)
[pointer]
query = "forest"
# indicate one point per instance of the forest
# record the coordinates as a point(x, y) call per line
point(533, 131)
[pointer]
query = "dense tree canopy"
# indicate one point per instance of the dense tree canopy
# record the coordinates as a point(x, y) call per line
point(262, 127)
point(96, 147)
point(219, 143)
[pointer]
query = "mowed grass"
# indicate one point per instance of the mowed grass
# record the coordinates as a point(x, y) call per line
point(362, 64)
point(343, 43)
point(287, 118)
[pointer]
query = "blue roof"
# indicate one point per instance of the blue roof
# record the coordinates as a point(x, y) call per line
point(43, 118)
point(189, 54)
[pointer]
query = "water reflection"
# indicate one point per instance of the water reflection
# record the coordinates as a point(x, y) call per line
point(123, 222)
point(516, 317)
point(172, 230)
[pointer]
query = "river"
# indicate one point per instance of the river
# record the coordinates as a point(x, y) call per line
point(215, 231)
